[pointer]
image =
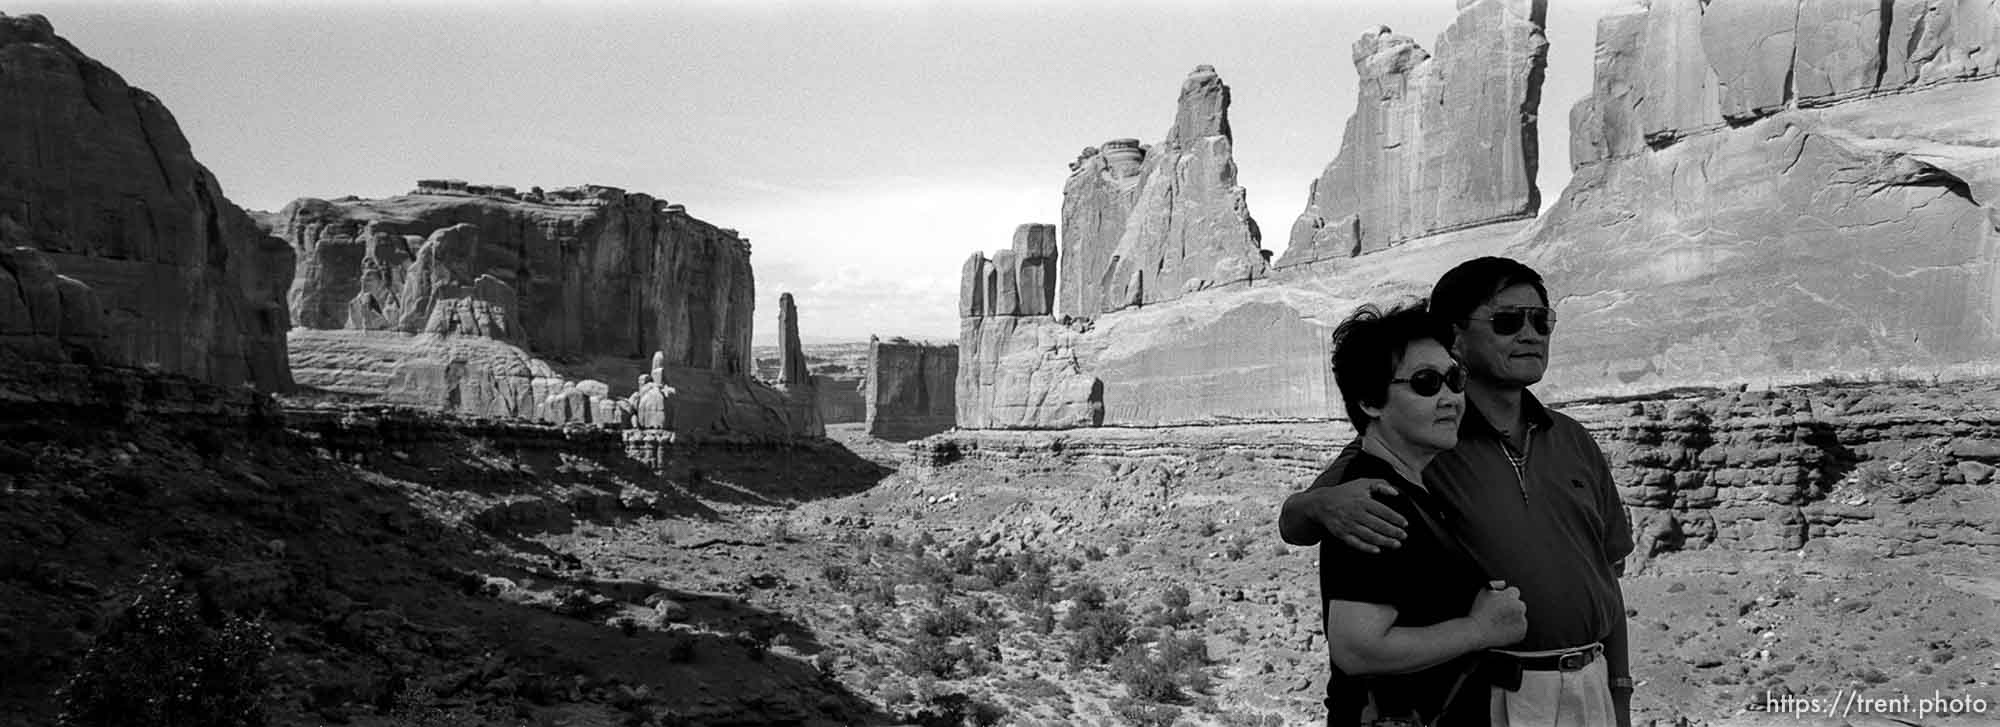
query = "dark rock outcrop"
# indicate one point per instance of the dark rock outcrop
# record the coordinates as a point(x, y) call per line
point(1436, 143)
point(98, 182)
point(910, 388)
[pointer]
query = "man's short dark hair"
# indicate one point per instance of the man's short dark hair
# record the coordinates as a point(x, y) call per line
point(1463, 288)
point(1368, 347)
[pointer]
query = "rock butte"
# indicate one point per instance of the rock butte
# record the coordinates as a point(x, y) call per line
point(910, 388)
point(116, 245)
point(456, 296)
point(1767, 196)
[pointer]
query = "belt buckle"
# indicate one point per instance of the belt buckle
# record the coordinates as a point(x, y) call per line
point(1573, 661)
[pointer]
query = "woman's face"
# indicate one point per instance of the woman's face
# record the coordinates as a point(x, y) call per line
point(1425, 422)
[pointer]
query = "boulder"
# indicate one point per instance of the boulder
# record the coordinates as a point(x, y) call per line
point(97, 177)
point(1437, 142)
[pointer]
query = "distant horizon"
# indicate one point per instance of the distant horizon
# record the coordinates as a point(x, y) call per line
point(865, 149)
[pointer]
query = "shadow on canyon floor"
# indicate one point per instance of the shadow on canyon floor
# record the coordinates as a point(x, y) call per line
point(403, 580)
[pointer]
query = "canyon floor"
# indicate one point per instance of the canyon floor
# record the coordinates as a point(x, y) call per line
point(447, 575)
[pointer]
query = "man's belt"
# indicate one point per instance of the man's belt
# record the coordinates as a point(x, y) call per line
point(1565, 660)
point(1503, 668)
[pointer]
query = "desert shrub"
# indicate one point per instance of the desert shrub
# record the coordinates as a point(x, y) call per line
point(881, 592)
point(1098, 635)
point(928, 653)
point(946, 622)
point(1144, 714)
point(962, 559)
point(931, 571)
point(1033, 582)
point(163, 661)
point(836, 575)
point(1041, 619)
point(1182, 653)
point(956, 710)
point(1093, 553)
point(1144, 677)
point(866, 622)
point(1175, 600)
point(999, 572)
point(1236, 551)
point(885, 540)
point(1086, 596)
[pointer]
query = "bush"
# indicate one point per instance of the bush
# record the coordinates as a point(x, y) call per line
point(957, 710)
point(1145, 678)
point(1033, 582)
point(1042, 619)
point(836, 575)
point(1099, 635)
point(947, 622)
point(163, 661)
point(929, 654)
point(1145, 715)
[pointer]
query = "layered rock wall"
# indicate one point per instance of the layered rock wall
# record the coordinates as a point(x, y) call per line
point(1681, 67)
point(1899, 468)
point(910, 388)
point(1015, 369)
point(1779, 192)
point(1437, 142)
point(132, 255)
point(1143, 224)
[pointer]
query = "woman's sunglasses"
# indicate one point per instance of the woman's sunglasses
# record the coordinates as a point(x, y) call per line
point(1508, 322)
point(1427, 381)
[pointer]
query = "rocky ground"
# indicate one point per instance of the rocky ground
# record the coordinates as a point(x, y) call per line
point(409, 572)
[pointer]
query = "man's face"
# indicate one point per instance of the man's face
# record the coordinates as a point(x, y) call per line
point(1515, 359)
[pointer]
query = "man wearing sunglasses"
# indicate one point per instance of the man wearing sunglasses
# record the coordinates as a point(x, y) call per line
point(1537, 505)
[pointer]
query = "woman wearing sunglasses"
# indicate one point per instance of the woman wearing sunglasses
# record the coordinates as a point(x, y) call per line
point(1404, 626)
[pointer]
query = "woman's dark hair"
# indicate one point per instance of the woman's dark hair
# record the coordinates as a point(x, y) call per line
point(1368, 346)
point(1464, 287)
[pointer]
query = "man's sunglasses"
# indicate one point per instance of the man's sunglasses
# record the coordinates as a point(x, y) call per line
point(1427, 381)
point(1508, 322)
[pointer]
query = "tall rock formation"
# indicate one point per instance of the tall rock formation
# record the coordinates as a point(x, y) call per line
point(795, 381)
point(1436, 143)
point(1148, 224)
point(1713, 233)
point(1011, 370)
point(460, 296)
point(791, 355)
point(116, 245)
point(909, 388)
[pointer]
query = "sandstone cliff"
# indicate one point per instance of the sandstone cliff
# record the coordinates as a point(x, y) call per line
point(1016, 369)
point(909, 389)
point(1815, 204)
point(1436, 143)
point(116, 245)
point(489, 302)
point(1148, 224)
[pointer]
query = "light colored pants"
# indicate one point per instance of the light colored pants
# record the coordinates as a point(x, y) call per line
point(1580, 698)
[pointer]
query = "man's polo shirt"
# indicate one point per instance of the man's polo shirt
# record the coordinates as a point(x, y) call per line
point(1546, 519)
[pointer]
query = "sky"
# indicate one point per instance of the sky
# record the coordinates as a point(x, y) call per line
point(865, 148)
